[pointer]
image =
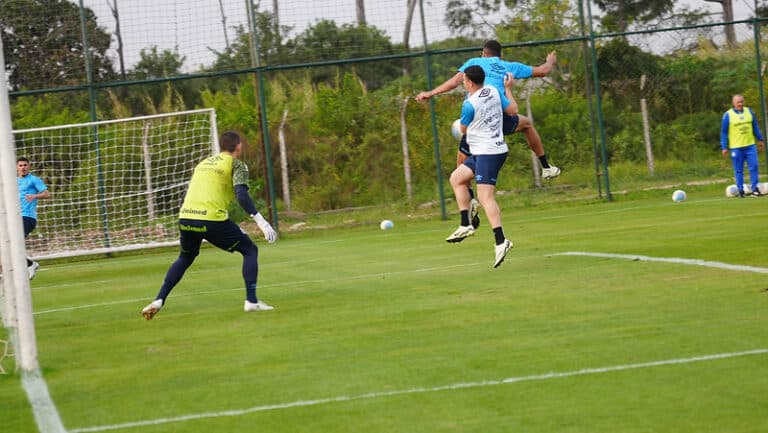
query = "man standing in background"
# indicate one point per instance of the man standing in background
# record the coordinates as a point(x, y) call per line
point(738, 134)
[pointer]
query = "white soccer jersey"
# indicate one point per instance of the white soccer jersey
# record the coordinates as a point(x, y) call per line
point(482, 114)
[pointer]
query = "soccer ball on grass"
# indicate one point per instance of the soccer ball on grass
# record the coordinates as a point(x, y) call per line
point(386, 225)
point(678, 196)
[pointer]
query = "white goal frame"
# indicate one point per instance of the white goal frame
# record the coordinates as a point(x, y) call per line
point(116, 185)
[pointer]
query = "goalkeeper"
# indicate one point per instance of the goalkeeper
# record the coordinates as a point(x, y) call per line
point(203, 215)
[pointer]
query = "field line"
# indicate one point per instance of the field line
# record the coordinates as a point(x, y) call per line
point(264, 286)
point(450, 387)
point(696, 262)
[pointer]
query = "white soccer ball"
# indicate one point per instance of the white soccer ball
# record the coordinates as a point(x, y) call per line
point(763, 187)
point(456, 129)
point(731, 191)
point(678, 196)
point(386, 225)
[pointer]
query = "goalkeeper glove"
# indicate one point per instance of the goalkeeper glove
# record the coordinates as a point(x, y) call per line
point(269, 233)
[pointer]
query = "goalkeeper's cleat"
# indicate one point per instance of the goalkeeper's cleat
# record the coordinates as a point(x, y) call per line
point(153, 308)
point(550, 173)
point(460, 233)
point(501, 251)
point(473, 213)
point(256, 306)
point(32, 269)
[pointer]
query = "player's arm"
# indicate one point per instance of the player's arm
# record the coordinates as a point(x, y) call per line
point(240, 181)
point(546, 67)
point(42, 194)
point(509, 82)
point(756, 131)
point(447, 86)
point(724, 134)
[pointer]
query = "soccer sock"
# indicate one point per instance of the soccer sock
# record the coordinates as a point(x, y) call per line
point(250, 272)
point(498, 233)
point(471, 193)
point(465, 217)
point(543, 161)
point(250, 292)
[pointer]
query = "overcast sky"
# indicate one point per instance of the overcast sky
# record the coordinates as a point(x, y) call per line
point(196, 28)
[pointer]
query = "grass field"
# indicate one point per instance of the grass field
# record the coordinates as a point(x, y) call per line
point(398, 331)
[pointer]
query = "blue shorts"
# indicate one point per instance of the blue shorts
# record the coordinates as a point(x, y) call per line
point(486, 167)
point(508, 127)
point(223, 234)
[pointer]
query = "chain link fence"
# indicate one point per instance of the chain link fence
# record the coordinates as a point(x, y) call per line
point(324, 90)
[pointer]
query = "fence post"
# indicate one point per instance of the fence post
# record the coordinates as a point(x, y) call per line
point(436, 140)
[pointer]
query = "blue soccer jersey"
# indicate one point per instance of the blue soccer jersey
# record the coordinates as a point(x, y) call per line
point(496, 69)
point(29, 184)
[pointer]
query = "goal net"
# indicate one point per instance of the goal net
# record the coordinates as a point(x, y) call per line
point(116, 185)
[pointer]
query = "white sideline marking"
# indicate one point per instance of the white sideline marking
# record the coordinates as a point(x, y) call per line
point(696, 262)
point(46, 415)
point(370, 395)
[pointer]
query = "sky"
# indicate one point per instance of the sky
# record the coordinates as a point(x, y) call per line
point(196, 27)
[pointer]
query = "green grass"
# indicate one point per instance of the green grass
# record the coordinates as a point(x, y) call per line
point(363, 311)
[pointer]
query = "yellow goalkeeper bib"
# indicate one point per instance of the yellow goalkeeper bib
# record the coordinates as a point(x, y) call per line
point(740, 132)
point(210, 190)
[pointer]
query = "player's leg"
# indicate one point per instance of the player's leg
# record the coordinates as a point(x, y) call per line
point(230, 237)
point(523, 124)
point(460, 180)
point(737, 159)
point(190, 239)
point(29, 225)
point(487, 171)
point(752, 165)
point(462, 156)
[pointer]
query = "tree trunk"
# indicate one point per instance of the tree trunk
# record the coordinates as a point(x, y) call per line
point(360, 7)
point(407, 35)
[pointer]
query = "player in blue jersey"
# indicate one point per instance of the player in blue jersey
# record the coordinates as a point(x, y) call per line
point(31, 189)
point(495, 70)
point(481, 121)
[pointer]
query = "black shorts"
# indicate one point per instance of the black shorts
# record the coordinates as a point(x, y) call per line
point(223, 234)
point(508, 127)
point(29, 225)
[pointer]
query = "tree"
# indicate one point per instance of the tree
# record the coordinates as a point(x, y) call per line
point(620, 14)
point(463, 15)
point(43, 44)
point(730, 34)
point(326, 41)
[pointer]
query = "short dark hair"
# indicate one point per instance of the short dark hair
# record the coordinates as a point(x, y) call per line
point(492, 47)
point(228, 141)
point(475, 74)
point(22, 158)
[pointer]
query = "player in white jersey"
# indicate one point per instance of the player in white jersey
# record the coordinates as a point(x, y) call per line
point(481, 120)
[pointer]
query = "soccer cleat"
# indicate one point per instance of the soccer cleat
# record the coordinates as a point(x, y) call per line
point(256, 306)
point(473, 213)
point(501, 251)
point(460, 233)
point(33, 269)
point(741, 194)
point(756, 193)
point(550, 173)
point(150, 310)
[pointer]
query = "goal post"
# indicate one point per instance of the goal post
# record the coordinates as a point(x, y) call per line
point(116, 185)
